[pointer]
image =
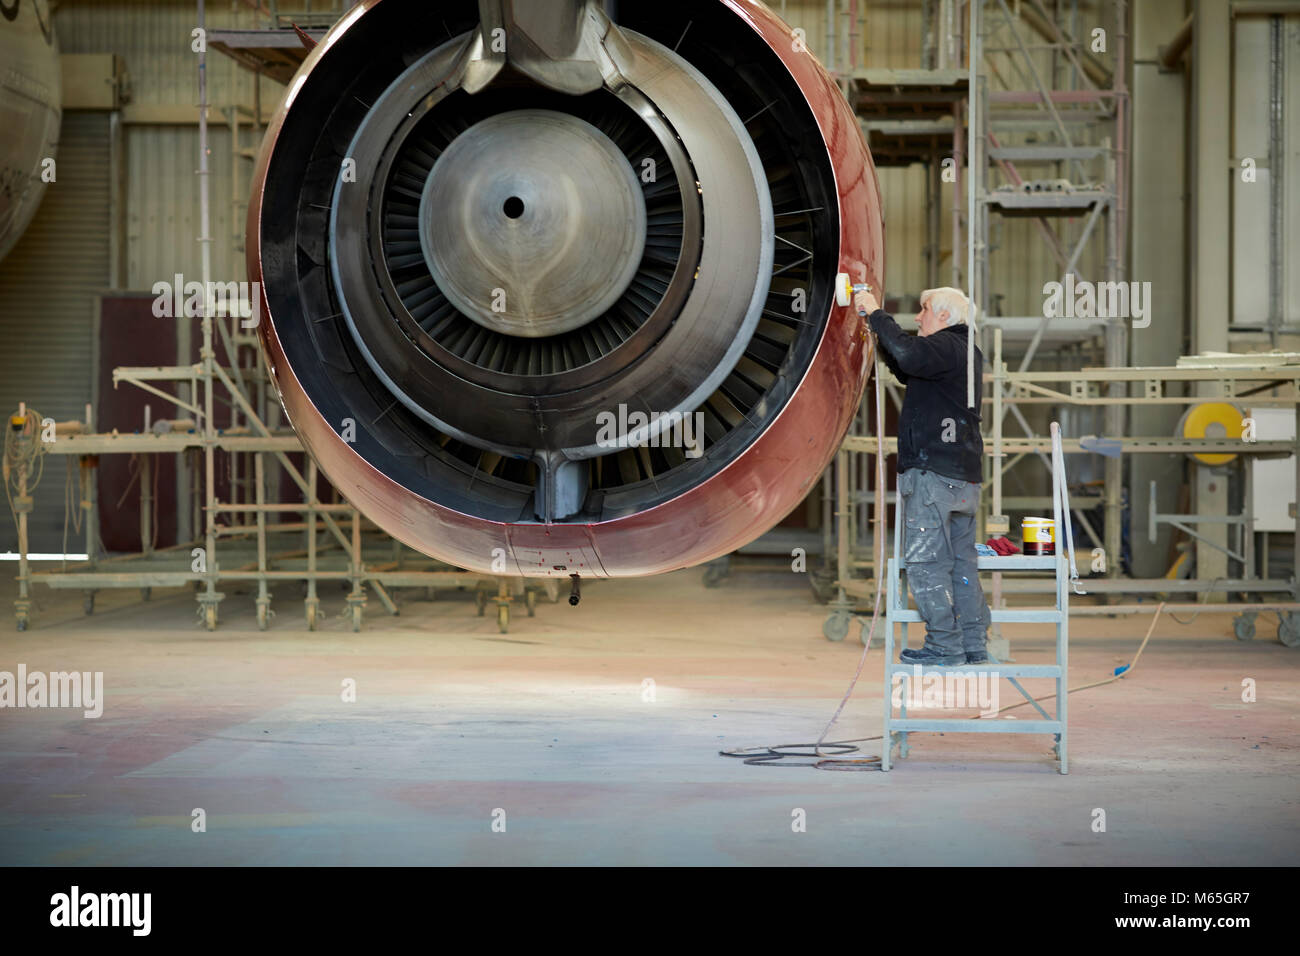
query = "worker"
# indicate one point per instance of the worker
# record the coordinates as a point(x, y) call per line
point(940, 458)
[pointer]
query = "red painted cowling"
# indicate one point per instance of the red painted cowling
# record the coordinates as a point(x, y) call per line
point(782, 414)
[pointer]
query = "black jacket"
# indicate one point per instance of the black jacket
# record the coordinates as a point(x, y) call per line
point(936, 431)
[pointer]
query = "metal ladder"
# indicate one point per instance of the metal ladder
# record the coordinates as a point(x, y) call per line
point(899, 612)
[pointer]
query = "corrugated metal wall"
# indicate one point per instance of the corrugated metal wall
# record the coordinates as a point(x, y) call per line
point(162, 204)
point(1266, 211)
point(48, 285)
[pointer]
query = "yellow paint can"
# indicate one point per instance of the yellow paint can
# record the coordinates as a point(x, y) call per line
point(1038, 536)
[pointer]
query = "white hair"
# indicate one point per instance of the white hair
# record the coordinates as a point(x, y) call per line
point(949, 300)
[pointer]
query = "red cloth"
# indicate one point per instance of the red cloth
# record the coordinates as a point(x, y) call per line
point(1003, 546)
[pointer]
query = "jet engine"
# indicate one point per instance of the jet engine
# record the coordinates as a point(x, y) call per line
point(549, 286)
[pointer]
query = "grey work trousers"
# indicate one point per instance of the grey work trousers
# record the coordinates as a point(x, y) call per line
point(939, 518)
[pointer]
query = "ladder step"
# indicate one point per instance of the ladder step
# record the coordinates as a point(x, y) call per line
point(1045, 615)
point(1011, 562)
point(1080, 199)
point(956, 725)
point(1048, 153)
point(1019, 562)
point(1000, 670)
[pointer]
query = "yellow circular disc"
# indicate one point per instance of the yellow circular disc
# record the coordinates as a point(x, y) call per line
point(1211, 420)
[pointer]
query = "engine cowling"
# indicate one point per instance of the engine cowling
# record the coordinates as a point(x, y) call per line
point(31, 109)
point(570, 280)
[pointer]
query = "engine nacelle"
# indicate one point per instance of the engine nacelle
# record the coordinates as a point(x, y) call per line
point(31, 109)
point(567, 282)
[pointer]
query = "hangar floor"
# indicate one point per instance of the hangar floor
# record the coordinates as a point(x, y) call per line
point(454, 723)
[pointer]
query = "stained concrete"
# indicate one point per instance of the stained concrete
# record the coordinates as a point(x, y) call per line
point(454, 722)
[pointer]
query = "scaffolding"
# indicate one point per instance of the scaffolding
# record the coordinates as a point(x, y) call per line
point(1007, 113)
point(245, 537)
point(1268, 380)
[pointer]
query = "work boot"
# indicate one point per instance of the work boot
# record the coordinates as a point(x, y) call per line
point(928, 655)
point(977, 657)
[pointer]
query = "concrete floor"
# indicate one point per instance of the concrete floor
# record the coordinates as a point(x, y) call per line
point(454, 721)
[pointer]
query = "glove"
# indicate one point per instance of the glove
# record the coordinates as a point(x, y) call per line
point(1003, 546)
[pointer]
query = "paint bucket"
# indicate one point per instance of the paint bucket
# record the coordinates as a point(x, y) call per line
point(1038, 536)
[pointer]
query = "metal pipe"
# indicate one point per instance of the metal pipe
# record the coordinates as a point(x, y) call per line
point(22, 606)
point(146, 504)
point(854, 41)
point(1217, 608)
point(1002, 649)
point(1263, 8)
point(207, 357)
point(1115, 416)
point(263, 597)
point(958, 151)
point(88, 468)
point(947, 35)
point(999, 377)
point(357, 597)
point(1295, 553)
point(1210, 274)
point(843, 568)
point(285, 506)
point(928, 31)
point(243, 531)
point(828, 527)
point(311, 602)
point(1276, 170)
point(878, 542)
point(933, 218)
point(830, 36)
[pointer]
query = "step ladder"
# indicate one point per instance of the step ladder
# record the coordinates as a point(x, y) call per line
point(898, 611)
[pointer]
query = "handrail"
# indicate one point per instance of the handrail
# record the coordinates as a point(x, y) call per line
point(1061, 508)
